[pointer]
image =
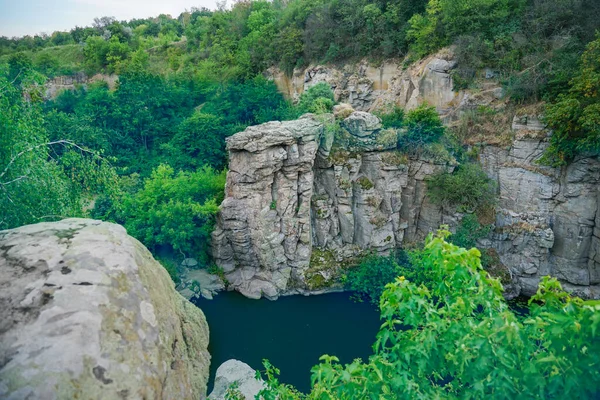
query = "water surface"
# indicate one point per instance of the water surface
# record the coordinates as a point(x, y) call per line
point(292, 332)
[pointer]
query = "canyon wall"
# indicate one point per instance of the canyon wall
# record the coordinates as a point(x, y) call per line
point(297, 210)
point(368, 88)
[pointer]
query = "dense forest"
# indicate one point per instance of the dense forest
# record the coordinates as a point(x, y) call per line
point(149, 153)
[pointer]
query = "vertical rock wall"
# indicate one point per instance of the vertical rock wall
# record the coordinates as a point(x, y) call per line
point(296, 210)
point(547, 220)
point(263, 234)
point(367, 87)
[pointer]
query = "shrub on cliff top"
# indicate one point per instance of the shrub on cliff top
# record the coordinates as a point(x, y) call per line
point(317, 99)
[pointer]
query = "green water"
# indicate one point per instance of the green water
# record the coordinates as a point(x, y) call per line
point(292, 332)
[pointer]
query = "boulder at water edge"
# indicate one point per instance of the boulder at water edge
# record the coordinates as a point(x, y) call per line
point(239, 377)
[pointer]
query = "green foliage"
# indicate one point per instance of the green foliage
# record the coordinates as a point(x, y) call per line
point(365, 183)
point(41, 179)
point(200, 139)
point(175, 209)
point(468, 188)
point(575, 116)
point(171, 267)
point(469, 231)
point(317, 99)
point(393, 118)
point(456, 338)
point(369, 278)
point(423, 126)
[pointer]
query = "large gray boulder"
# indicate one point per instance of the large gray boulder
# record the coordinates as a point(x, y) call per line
point(86, 312)
point(234, 372)
point(361, 124)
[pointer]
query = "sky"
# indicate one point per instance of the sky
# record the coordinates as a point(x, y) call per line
point(29, 17)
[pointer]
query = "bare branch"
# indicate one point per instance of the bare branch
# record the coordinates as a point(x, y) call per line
point(63, 142)
point(14, 180)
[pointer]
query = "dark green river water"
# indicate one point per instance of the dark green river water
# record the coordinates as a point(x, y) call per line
point(292, 332)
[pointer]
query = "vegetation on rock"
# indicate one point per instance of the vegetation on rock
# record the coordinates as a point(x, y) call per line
point(468, 189)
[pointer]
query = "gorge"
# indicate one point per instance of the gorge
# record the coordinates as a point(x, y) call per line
point(294, 196)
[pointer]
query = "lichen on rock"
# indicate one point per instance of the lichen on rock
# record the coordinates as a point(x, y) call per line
point(86, 312)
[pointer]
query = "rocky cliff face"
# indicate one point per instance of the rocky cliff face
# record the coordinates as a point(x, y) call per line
point(86, 312)
point(55, 86)
point(296, 211)
point(547, 219)
point(367, 87)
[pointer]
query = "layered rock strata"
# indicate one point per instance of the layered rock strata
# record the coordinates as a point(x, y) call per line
point(86, 312)
point(367, 88)
point(296, 210)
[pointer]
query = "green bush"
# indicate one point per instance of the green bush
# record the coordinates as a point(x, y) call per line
point(392, 119)
point(423, 126)
point(317, 99)
point(456, 338)
point(469, 231)
point(468, 189)
point(369, 278)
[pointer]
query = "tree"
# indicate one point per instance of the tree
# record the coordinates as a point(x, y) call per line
point(456, 338)
point(41, 179)
point(175, 210)
point(575, 117)
point(200, 140)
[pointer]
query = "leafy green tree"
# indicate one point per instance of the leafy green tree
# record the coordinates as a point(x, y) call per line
point(468, 189)
point(175, 209)
point(200, 139)
point(456, 338)
point(317, 99)
point(369, 278)
point(575, 116)
point(41, 179)
point(95, 53)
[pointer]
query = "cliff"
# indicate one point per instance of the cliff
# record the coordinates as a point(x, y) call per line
point(86, 312)
point(368, 88)
point(297, 210)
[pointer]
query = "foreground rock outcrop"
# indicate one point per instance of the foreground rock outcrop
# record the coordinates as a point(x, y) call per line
point(297, 210)
point(237, 377)
point(86, 312)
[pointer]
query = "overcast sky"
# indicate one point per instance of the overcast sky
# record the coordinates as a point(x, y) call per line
point(28, 17)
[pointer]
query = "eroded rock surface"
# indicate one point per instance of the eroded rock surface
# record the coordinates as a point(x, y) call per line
point(283, 197)
point(263, 231)
point(86, 312)
point(367, 87)
point(547, 220)
point(296, 211)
